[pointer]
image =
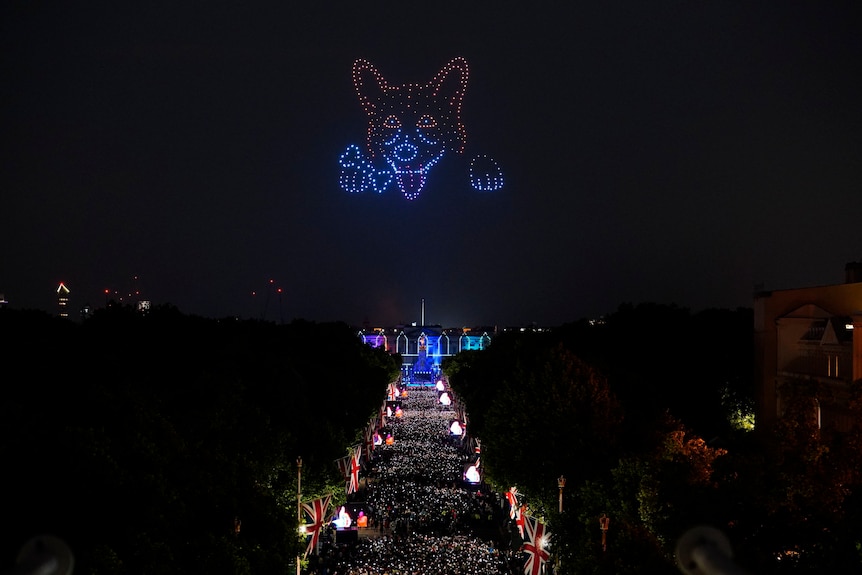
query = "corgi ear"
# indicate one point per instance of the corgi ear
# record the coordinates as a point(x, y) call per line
point(451, 82)
point(449, 85)
point(369, 84)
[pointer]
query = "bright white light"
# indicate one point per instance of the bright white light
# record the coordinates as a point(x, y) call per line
point(440, 386)
point(444, 399)
point(456, 428)
point(343, 520)
point(472, 474)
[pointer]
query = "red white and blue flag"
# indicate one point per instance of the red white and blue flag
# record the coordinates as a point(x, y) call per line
point(520, 514)
point(369, 439)
point(512, 497)
point(316, 513)
point(534, 541)
point(349, 467)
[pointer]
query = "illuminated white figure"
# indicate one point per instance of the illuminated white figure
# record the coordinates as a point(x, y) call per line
point(343, 519)
point(472, 473)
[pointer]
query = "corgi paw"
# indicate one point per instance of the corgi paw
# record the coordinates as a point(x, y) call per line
point(485, 174)
point(353, 176)
point(358, 175)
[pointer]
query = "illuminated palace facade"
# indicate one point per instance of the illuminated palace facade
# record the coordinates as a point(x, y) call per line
point(423, 348)
point(809, 334)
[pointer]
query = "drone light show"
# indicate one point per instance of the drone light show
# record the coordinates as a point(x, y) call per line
point(411, 128)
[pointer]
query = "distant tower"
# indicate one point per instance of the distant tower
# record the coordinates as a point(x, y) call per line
point(63, 300)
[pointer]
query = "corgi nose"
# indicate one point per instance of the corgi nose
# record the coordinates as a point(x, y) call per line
point(405, 152)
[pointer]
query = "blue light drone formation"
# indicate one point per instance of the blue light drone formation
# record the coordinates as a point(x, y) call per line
point(410, 129)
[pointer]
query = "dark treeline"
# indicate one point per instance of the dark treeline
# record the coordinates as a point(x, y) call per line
point(140, 439)
point(648, 414)
point(144, 441)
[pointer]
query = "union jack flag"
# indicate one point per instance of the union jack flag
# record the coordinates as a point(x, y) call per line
point(369, 439)
point(349, 467)
point(519, 519)
point(512, 497)
point(534, 546)
point(316, 511)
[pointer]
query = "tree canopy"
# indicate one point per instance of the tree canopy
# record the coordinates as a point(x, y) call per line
point(141, 439)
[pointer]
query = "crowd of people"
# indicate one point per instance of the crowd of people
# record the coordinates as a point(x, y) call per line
point(423, 517)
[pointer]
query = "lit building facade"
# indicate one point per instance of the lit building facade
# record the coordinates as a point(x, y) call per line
point(62, 300)
point(812, 334)
point(423, 348)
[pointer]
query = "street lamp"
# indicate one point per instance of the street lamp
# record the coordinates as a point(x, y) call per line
point(561, 483)
point(298, 505)
point(604, 523)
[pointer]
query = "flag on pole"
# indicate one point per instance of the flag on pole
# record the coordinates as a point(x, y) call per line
point(534, 545)
point(349, 467)
point(519, 519)
point(316, 512)
point(512, 497)
point(369, 439)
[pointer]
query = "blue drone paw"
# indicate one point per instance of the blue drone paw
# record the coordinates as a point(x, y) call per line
point(359, 175)
point(353, 176)
point(485, 174)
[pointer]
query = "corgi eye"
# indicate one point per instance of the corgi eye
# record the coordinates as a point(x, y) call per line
point(426, 121)
point(392, 122)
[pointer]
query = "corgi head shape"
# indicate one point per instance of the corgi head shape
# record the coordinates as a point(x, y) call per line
point(411, 126)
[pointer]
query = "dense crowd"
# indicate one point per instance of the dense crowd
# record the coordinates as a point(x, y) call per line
point(423, 517)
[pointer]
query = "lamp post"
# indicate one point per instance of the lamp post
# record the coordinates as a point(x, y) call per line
point(604, 522)
point(298, 504)
point(561, 483)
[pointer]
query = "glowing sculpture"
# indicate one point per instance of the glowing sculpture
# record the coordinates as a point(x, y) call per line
point(472, 474)
point(343, 520)
point(410, 129)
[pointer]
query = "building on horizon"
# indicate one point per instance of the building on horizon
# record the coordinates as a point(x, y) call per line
point(62, 300)
point(811, 334)
point(424, 347)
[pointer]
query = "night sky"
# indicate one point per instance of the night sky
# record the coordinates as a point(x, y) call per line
point(670, 152)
